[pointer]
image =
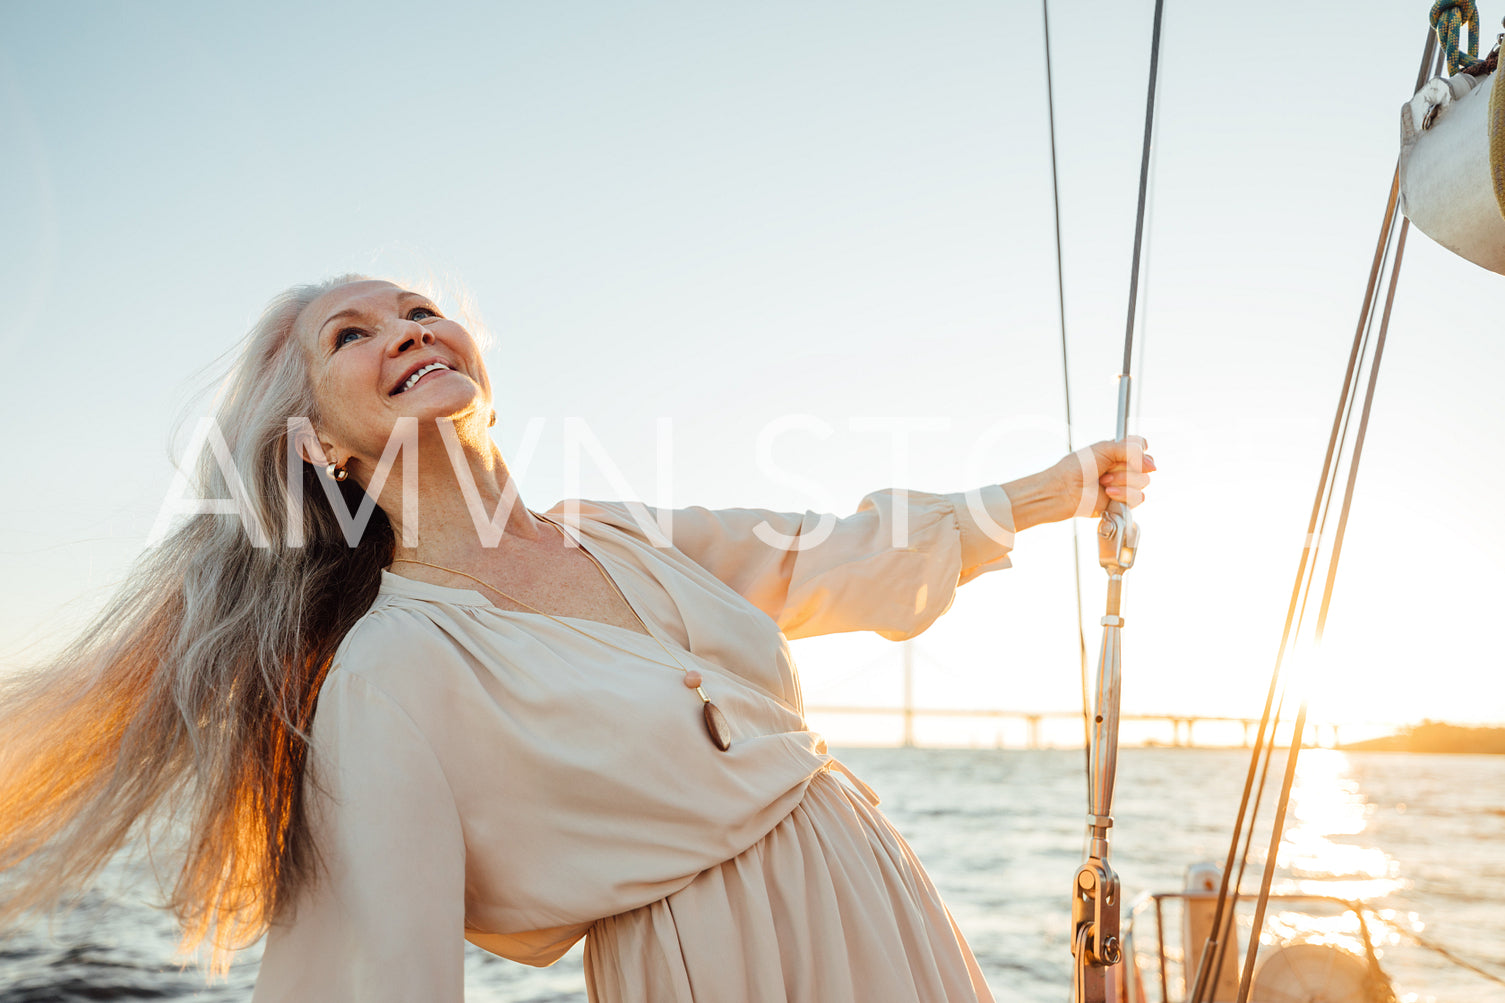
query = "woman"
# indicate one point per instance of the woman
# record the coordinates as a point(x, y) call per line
point(470, 721)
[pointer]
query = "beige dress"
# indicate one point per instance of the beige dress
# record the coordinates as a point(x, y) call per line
point(498, 777)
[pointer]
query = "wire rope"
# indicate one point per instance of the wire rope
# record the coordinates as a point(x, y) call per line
point(1278, 828)
point(1305, 576)
point(1095, 943)
point(1144, 180)
point(1076, 547)
point(1149, 257)
point(1327, 486)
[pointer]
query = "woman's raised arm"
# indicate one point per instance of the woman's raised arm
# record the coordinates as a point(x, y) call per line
point(894, 565)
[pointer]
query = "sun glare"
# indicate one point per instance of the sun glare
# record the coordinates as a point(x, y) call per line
point(1323, 853)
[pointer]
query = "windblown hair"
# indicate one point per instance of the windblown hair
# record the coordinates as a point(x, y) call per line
point(190, 696)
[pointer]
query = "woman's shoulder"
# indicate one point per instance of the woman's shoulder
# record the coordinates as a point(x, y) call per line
point(386, 626)
point(628, 515)
point(633, 524)
point(393, 641)
point(396, 660)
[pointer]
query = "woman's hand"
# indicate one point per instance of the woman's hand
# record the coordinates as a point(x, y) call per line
point(1117, 471)
point(1083, 483)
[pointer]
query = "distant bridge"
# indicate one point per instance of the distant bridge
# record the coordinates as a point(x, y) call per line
point(1182, 726)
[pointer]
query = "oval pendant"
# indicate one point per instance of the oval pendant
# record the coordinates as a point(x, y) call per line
point(717, 728)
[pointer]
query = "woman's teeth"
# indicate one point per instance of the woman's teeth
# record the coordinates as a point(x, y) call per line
point(420, 374)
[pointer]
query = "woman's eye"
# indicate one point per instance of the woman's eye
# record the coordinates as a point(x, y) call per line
point(345, 335)
point(413, 313)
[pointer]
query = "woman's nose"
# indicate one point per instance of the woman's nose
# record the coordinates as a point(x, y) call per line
point(410, 334)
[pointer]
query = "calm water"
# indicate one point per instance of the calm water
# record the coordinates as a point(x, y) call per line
point(1000, 831)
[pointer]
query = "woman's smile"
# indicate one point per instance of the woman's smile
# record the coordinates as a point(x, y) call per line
point(419, 374)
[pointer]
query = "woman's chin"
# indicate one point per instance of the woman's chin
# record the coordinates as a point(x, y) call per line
point(437, 405)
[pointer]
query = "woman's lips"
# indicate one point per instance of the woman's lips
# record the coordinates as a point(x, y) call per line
point(421, 380)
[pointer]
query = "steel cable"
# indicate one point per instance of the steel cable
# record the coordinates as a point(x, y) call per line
point(1076, 548)
point(1306, 571)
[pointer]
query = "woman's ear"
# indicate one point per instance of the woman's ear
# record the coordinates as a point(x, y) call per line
point(310, 445)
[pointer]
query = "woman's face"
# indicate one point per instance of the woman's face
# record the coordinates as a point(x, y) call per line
point(376, 353)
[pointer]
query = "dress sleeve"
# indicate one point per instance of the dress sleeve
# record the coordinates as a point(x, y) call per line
point(892, 567)
point(384, 918)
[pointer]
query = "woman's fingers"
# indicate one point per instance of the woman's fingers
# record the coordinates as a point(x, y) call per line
point(1130, 452)
point(1128, 470)
point(1121, 469)
point(1129, 496)
point(1124, 477)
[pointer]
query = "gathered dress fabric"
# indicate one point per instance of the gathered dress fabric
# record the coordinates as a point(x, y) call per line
point(522, 782)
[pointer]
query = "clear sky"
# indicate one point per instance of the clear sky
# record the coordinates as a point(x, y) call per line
point(740, 217)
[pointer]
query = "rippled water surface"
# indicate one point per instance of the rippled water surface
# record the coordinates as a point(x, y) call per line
point(1001, 832)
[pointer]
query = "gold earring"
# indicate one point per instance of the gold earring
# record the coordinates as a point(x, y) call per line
point(336, 472)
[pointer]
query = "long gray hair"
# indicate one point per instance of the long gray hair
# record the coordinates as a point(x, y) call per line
point(190, 696)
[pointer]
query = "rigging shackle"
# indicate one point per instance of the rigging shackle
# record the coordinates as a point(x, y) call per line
point(1117, 533)
point(1095, 942)
point(1097, 903)
point(1117, 539)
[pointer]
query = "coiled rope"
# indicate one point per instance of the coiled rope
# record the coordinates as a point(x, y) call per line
point(1497, 137)
point(1448, 18)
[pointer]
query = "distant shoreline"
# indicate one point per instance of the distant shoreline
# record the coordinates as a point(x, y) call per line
point(1433, 737)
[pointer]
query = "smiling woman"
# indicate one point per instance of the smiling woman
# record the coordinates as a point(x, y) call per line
point(376, 762)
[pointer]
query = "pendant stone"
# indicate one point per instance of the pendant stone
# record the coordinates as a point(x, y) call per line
point(717, 728)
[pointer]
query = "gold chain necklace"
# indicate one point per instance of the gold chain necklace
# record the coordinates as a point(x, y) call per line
point(715, 722)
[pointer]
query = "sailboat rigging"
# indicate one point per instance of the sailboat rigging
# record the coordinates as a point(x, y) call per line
point(1450, 178)
point(1096, 945)
point(1076, 548)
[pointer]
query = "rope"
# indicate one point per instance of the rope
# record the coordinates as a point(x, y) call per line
point(1213, 948)
point(1358, 445)
point(1378, 988)
point(1296, 609)
point(1219, 949)
point(1497, 138)
point(1095, 946)
point(1076, 547)
point(1447, 19)
point(1431, 945)
point(1277, 831)
point(1144, 182)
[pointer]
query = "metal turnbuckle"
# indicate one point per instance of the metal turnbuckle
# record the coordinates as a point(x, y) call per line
point(1095, 940)
point(1095, 944)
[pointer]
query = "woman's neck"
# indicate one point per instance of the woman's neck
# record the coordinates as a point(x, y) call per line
point(461, 508)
